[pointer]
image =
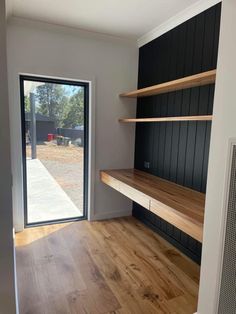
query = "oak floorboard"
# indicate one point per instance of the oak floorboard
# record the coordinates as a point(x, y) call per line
point(117, 266)
point(142, 268)
point(133, 289)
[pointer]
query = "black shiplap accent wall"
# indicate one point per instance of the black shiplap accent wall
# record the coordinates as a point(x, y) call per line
point(177, 151)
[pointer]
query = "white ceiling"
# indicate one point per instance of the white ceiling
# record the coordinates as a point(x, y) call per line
point(124, 18)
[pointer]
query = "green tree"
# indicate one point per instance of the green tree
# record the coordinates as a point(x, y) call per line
point(74, 111)
point(52, 102)
point(27, 104)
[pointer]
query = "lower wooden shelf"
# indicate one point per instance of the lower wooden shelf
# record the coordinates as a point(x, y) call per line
point(167, 119)
point(180, 206)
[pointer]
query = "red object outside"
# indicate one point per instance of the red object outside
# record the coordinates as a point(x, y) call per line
point(50, 137)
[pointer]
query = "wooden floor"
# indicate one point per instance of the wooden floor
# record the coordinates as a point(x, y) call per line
point(117, 266)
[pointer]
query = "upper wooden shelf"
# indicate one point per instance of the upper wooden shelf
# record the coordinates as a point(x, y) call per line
point(200, 79)
point(180, 206)
point(166, 119)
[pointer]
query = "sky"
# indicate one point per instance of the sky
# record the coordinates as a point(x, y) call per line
point(70, 90)
point(30, 86)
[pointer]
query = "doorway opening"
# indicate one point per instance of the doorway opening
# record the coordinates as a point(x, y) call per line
point(55, 149)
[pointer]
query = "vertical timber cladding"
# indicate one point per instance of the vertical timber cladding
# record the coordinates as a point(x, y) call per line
point(177, 151)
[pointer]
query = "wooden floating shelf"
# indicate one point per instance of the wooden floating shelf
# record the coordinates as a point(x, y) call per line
point(200, 79)
point(166, 119)
point(180, 206)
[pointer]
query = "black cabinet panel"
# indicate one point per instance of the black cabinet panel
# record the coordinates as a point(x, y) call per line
point(177, 151)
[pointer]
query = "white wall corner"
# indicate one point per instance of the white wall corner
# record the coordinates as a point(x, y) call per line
point(176, 20)
point(9, 8)
point(223, 130)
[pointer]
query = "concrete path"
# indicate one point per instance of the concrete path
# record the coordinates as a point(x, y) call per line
point(46, 199)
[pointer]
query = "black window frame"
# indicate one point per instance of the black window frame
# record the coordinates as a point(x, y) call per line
point(86, 86)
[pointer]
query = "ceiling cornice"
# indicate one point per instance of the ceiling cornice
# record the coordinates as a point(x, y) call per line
point(176, 20)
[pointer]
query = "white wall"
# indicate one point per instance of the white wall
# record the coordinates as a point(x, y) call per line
point(112, 63)
point(223, 128)
point(7, 289)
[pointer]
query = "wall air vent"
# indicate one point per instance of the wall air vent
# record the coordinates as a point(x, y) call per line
point(227, 297)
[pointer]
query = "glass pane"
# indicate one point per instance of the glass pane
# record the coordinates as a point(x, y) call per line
point(54, 133)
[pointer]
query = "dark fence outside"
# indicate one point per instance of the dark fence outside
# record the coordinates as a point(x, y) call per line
point(76, 136)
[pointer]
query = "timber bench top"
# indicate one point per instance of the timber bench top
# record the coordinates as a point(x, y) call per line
point(180, 206)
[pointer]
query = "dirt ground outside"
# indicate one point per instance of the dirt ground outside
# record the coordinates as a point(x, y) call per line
point(65, 164)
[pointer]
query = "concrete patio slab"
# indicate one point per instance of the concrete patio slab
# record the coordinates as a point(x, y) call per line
point(46, 199)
